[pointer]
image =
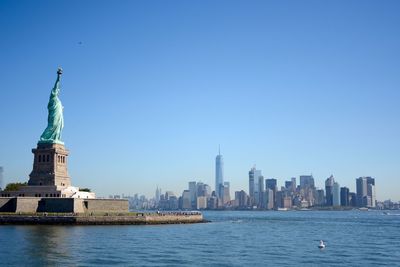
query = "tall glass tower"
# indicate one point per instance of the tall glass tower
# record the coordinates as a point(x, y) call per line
point(219, 174)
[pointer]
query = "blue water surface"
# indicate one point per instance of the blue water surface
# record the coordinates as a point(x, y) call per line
point(233, 238)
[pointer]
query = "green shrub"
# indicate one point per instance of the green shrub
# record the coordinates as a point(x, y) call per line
point(14, 186)
point(84, 189)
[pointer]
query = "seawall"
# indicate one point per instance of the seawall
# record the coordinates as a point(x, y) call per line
point(101, 219)
point(62, 205)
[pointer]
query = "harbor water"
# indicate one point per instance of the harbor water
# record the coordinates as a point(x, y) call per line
point(232, 238)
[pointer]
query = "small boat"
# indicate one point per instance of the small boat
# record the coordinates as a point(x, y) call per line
point(321, 244)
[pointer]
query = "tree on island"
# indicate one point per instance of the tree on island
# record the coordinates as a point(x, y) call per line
point(84, 189)
point(14, 186)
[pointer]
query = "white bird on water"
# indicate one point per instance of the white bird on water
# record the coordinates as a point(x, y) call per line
point(321, 244)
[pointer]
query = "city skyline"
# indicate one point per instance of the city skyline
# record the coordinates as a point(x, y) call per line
point(310, 89)
point(254, 183)
point(258, 192)
point(265, 194)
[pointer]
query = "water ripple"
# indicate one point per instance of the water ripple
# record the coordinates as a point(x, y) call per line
point(232, 239)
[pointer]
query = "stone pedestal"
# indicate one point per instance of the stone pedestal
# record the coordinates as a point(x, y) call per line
point(50, 166)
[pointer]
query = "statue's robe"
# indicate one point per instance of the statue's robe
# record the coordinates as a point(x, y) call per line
point(55, 120)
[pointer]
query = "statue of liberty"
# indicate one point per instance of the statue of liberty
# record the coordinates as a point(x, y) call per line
point(55, 120)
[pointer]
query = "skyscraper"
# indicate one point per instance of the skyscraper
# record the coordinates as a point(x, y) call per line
point(319, 197)
point(261, 191)
point(1, 177)
point(158, 194)
point(352, 199)
point(288, 185)
point(344, 196)
point(307, 181)
point(361, 190)
point(203, 190)
point(241, 199)
point(272, 185)
point(251, 185)
point(307, 189)
point(186, 200)
point(294, 184)
point(193, 193)
point(365, 189)
point(336, 194)
point(371, 195)
point(328, 190)
point(269, 198)
point(219, 174)
point(371, 191)
point(254, 186)
point(227, 195)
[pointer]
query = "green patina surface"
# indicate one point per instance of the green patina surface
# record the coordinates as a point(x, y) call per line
point(55, 120)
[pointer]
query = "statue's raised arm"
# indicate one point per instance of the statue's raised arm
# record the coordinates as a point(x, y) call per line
point(55, 120)
point(56, 88)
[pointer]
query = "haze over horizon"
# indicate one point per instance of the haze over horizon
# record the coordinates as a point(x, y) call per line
point(150, 89)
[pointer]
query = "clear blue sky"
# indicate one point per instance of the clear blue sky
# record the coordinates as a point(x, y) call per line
point(150, 88)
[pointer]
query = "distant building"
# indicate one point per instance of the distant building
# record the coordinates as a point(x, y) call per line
point(186, 200)
point(200, 189)
point(336, 194)
point(158, 194)
point(227, 195)
point(251, 185)
point(344, 196)
point(371, 191)
point(328, 190)
point(193, 194)
point(201, 203)
point(307, 181)
point(203, 190)
point(353, 199)
point(261, 192)
point(173, 203)
point(288, 185)
point(371, 202)
point(207, 190)
point(361, 190)
point(287, 202)
point(1, 178)
point(279, 195)
point(255, 177)
point(169, 201)
point(272, 185)
point(269, 199)
point(241, 199)
point(294, 184)
point(319, 197)
point(212, 203)
point(307, 189)
point(219, 174)
point(365, 190)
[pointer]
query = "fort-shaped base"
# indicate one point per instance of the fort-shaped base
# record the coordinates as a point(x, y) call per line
point(50, 166)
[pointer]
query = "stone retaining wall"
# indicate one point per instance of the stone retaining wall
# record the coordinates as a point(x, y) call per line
point(26, 204)
point(62, 205)
point(100, 220)
point(105, 205)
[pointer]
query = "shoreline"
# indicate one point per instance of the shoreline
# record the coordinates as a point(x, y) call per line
point(131, 218)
